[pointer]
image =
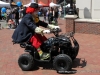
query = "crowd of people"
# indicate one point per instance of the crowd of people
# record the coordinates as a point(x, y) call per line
point(12, 16)
point(50, 14)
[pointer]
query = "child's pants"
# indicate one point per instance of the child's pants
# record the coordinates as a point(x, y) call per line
point(37, 40)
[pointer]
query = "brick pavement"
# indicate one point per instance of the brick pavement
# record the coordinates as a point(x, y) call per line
point(86, 63)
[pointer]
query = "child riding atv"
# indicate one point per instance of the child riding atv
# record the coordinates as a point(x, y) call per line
point(29, 30)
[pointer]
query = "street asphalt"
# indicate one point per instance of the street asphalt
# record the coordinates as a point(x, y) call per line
point(86, 63)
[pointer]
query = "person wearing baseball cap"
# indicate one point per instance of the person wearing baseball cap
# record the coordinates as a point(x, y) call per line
point(29, 31)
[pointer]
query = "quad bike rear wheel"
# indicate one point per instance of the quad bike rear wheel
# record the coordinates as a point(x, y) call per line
point(62, 62)
point(26, 62)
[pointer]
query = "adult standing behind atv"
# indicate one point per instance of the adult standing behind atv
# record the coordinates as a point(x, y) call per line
point(29, 31)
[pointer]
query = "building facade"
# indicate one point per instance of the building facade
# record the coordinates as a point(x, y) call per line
point(88, 9)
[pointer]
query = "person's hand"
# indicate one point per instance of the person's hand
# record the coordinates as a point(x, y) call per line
point(39, 30)
point(50, 26)
point(46, 31)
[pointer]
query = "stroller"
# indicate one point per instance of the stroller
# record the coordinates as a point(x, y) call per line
point(11, 24)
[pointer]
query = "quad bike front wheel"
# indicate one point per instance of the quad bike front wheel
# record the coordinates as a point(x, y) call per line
point(62, 63)
point(26, 62)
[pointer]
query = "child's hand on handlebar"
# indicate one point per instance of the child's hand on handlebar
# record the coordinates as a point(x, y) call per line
point(46, 31)
point(39, 30)
point(50, 26)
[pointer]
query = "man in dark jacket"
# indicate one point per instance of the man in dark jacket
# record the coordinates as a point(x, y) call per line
point(24, 11)
point(16, 16)
point(28, 29)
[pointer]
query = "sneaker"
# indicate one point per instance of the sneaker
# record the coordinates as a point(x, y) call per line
point(45, 56)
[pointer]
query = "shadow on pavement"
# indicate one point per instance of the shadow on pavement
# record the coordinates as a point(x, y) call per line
point(45, 65)
point(79, 62)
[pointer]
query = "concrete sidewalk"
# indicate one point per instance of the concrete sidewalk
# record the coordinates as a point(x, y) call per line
point(86, 63)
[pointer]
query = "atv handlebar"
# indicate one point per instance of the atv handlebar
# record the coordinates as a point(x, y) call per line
point(57, 30)
point(54, 31)
point(70, 34)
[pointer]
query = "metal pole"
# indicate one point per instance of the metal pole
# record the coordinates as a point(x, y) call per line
point(71, 10)
point(64, 7)
point(91, 10)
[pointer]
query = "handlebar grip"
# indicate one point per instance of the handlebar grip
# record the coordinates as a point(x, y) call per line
point(46, 31)
point(71, 34)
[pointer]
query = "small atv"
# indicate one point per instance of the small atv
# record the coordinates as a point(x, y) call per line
point(63, 49)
